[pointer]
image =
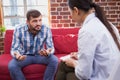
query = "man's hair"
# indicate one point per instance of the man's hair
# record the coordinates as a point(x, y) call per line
point(33, 13)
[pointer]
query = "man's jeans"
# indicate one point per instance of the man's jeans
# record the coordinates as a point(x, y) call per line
point(15, 66)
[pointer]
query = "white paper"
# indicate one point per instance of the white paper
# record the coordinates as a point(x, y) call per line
point(65, 57)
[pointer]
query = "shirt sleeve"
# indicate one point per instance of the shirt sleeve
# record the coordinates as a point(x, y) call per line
point(86, 49)
point(16, 46)
point(49, 41)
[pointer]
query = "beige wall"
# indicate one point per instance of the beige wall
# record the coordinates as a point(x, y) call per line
point(1, 18)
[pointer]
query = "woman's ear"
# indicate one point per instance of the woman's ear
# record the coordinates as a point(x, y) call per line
point(76, 10)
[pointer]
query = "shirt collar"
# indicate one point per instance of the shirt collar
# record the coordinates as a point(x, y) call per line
point(88, 18)
point(26, 27)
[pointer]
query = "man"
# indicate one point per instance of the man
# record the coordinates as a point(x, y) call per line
point(28, 47)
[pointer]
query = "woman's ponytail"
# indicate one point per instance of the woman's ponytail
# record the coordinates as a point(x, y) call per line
point(100, 14)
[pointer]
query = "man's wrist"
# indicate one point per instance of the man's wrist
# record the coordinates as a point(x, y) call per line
point(15, 54)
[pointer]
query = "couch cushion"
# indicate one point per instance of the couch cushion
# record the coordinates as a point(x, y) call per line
point(65, 43)
point(4, 59)
point(31, 71)
point(34, 71)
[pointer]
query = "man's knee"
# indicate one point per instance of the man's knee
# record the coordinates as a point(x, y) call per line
point(12, 66)
point(54, 59)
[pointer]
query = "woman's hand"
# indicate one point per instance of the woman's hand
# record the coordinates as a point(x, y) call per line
point(74, 55)
point(71, 62)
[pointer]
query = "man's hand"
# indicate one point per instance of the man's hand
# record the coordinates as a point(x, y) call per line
point(19, 56)
point(45, 52)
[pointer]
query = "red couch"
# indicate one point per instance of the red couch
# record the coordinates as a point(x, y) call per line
point(65, 41)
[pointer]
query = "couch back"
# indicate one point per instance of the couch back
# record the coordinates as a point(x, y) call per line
point(8, 41)
point(65, 40)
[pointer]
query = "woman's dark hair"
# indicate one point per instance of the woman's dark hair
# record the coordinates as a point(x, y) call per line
point(86, 5)
point(32, 13)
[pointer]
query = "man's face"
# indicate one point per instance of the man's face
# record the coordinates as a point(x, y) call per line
point(34, 24)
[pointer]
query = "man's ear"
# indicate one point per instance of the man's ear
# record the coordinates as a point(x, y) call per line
point(27, 21)
point(76, 10)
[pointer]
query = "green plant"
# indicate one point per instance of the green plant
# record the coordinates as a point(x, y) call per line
point(2, 29)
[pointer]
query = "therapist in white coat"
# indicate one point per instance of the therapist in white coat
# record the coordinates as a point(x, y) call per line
point(98, 44)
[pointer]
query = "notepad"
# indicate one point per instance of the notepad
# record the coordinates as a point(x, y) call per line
point(65, 57)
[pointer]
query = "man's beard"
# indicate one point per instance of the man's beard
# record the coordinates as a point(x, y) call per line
point(33, 30)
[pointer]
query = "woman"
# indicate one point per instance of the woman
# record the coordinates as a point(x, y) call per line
point(98, 44)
